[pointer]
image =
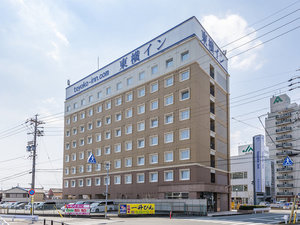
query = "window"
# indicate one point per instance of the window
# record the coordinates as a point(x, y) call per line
point(153, 140)
point(153, 122)
point(73, 170)
point(107, 180)
point(140, 178)
point(68, 108)
point(98, 167)
point(212, 143)
point(153, 177)
point(89, 168)
point(91, 112)
point(185, 56)
point(184, 154)
point(142, 75)
point(88, 182)
point(212, 177)
point(184, 134)
point(169, 100)
point(89, 140)
point(129, 81)
point(98, 152)
point(81, 142)
point(117, 147)
point(82, 115)
point(81, 129)
point(73, 183)
point(66, 183)
point(212, 71)
point(107, 150)
point(118, 163)
point(128, 145)
point(128, 129)
point(80, 183)
point(98, 137)
point(83, 101)
point(68, 121)
point(169, 137)
point(91, 98)
point(141, 126)
point(169, 118)
point(212, 161)
point(99, 94)
point(184, 114)
point(75, 105)
point(184, 174)
point(117, 179)
point(185, 75)
point(141, 92)
point(128, 178)
point(99, 123)
point(97, 181)
point(128, 162)
point(153, 159)
point(154, 69)
point(168, 156)
point(89, 153)
point(154, 87)
point(119, 86)
point(169, 63)
point(239, 175)
point(118, 117)
point(129, 96)
point(81, 169)
point(67, 171)
point(128, 113)
point(90, 126)
point(107, 134)
point(108, 90)
point(108, 105)
point(99, 108)
point(212, 107)
point(184, 95)
point(140, 160)
point(169, 81)
point(118, 101)
point(154, 104)
point(74, 145)
point(141, 143)
point(118, 132)
point(67, 146)
point(67, 158)
point(168, 175)
point(74, 131)
point(108, 120)
point(141, 109)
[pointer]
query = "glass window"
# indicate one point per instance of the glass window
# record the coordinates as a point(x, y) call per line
point(90, 112)
point(129, 113)
point(107, 150)
point(82, 115)
point(82, 128)
point(153, 159)
point(142, 75)
point(99, 94)
point(185, 94)
point(118, 147)
point(129, 81)
point(73, 170)
point(117, 179)
point(184, 174)
point(99, 123)
point(141, 143)
point(98, 137)
point(81, 169)
point(90, 126)
point(106, 180)
point(129, 96)
point(89, 140)
point(184, 134)
point(128, 178)
point(184, 114)
point(154, 104)
point(108, 90)
point(118, 163)
point(169, 118)
point(141, 109)
point(107, 134)
point(68, 121)
point(99, 108)
point(141, 126)
point(118, 101)
point(154, 69)
point(154, 87)
point(66, 170)
point(98, 167)
point(81, 142)
point(82, 101)
point(184, 56)
point(119, 86)
point(67, 146)
point(153, 177)
point(97, 181)
point(140, 160)
point(128, 145)
point(91, 98)
point(108, 119)
point(169, 63)
point(185, 75)
point(75, 105)
point(89, 168)
point(118, 132)
point(140, 178)
point(141, 92)
point(68, 108)
point(118, 117)
point(169, 81)
point(98, 152)
point(153, 140)
point(153, 122)
point(73, 183)
point(129, 129)
point(169, 99)
point(128, 162)
point(108, 105)
point(80, 183)
point(75, 118)
point(168, 156)
point(67, 158)
point(168, 175)
point(74, 144)
point(184, 154)
point(66, 183)
point(169, 137)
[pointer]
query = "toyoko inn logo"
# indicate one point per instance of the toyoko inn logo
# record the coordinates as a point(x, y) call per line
point(277, 100)
point(248, 149)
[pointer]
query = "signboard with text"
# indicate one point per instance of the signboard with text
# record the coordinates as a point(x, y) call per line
point(259, 163)
point(77, 209)
point(136, 209)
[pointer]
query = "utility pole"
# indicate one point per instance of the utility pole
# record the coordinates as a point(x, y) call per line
point(31, 147)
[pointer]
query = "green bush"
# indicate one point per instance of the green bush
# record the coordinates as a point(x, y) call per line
point(251, 207)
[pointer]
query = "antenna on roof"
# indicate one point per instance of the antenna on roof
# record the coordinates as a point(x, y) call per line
point(68, 82)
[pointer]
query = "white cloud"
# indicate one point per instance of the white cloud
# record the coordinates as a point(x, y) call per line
point(228, 29)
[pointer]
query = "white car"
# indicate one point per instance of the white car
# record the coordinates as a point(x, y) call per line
point(97, 207)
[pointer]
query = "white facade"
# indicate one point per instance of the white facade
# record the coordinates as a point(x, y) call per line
point(283, 139)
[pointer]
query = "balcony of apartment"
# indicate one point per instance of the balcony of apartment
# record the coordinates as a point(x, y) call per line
point(283, 116)
point(284, 137)
point(285, 193)
point(284, 145)
point(285, 177)
point(284, 169)
point(283, 122)
point(285, 185)
point(284, 153)
point(279, 161)
point(283, 130)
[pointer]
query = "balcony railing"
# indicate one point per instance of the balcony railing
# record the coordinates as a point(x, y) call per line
point(285, 177)
point(283, 121)
point(285, 169)
point(284, 153)
point(282, 116)
point(285, 185)
point(283, 130)
point(284, 145)
point(285, 193)
point(279, 161)
point(284, 137)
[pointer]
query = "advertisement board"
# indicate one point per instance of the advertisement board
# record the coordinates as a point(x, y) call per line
point(136, 209)
point(259, 163)
point(77, 209)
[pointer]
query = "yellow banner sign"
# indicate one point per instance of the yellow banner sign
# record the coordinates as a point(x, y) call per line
point(136, 209)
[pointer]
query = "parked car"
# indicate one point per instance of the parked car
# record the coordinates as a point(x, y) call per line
point(46, 206)
point(288, 205)
point(97, 207)
point(265, 204)
point(12, 205)
point(20, 205)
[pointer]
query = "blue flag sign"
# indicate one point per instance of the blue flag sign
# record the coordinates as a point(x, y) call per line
point(91, 159)
point(287, 162)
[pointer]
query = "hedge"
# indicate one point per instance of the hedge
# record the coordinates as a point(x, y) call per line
point(251, 207)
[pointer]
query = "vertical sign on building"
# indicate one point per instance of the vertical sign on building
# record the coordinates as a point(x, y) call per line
point(259, 164)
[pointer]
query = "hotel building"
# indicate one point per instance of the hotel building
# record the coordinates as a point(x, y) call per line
point(159, 116)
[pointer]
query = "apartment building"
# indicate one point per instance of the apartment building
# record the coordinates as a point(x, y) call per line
point(283, 140)
point(159, 117)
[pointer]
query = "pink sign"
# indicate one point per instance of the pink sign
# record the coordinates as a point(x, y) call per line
point(77, 209)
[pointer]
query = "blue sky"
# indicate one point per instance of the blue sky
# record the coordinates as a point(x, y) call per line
point(44, 43)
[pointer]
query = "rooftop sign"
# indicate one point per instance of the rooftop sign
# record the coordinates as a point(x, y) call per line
point(177, 34)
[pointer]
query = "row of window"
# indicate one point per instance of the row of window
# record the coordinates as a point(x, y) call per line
point(184, 174)
point(184, 154)
point(239, 188)
point(239, 175)
point(168, 100)
point(169, 81)
point(184, 114)
point(184, 134)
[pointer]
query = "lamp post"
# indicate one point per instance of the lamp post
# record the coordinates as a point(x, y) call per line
point(106, 191)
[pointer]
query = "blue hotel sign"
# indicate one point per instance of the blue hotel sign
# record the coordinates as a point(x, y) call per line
point(179, 33)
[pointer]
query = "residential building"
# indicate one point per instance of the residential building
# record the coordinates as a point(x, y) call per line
point(20, 194)
point(159, 117)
